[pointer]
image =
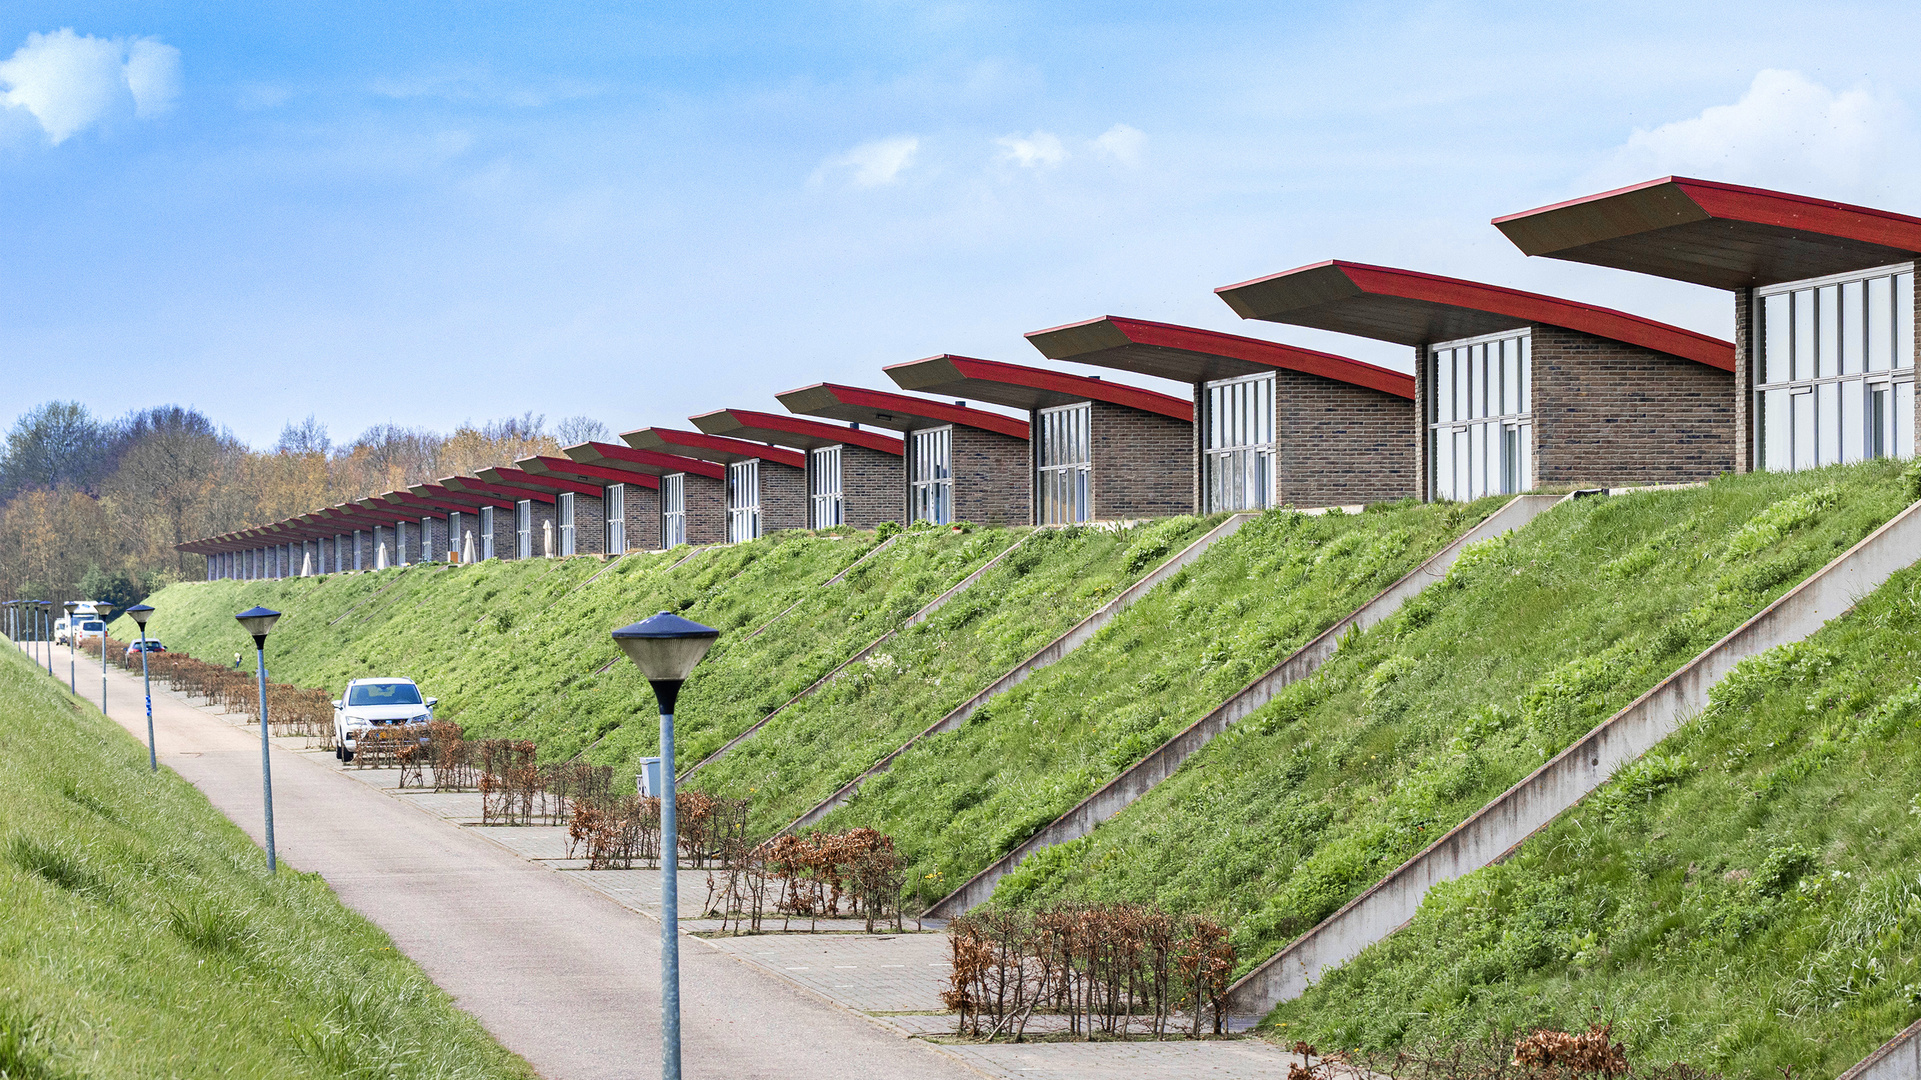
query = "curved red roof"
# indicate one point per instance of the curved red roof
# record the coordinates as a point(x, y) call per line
point(1021, 387)
point(628, 459)
point(541, 465)
point(1709, 233)
point(548, 485)
point(1190, 355)
point(897, 412)
point(699, 444)
point(476, 484)
point(1412, 308)
point(794, 431)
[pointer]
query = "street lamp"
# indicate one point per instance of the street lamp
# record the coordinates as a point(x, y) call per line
point(46, 636)
point(665, 648)
point(73, 686)
point(141, 613)
point(258, 621)
point(100, 611)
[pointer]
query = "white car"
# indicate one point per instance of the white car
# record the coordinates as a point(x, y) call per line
point(83, 627)
point(376, 703)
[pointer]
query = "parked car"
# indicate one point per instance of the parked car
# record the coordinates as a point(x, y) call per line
point(83, 627)
point(370, 703)
point(151, 645)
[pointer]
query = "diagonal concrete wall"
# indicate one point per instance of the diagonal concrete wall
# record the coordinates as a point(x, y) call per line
point(1898, 1059)
point(1054, 651)
point(851, 567)
point(1502, 825)
point(1139, 779)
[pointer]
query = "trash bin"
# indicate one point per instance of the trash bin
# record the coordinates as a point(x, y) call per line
point(649, 778)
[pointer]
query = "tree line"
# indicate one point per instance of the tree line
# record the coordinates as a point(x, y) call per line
point(92, 508)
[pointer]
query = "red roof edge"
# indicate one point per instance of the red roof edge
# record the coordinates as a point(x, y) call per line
point(1061, 382)
point(1254, 351)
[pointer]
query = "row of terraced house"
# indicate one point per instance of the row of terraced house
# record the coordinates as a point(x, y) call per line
point(1510, 391)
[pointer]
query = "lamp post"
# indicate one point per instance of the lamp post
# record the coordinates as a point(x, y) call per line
point(258, 621)
point(141, 613)
point(665, 648)
point(73, 685)
point(46, 635)
point(100, 611)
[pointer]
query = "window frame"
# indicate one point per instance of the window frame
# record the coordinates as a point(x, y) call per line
point(826, 494)
point(743, 501)
point(930, 487)
point(1064, 464)
point(1251, 464)
point(613, 501)
point(1490, 449)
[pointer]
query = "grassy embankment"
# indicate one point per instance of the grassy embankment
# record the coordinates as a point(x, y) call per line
point(142, 936)
point(1747, 897)
point(960, 800)
point(1417, 723)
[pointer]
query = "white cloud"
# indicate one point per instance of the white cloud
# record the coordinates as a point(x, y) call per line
point(1786, 131)
point(873, 164)
point(1123, 143)
point(1039, 150)
point(71, 82)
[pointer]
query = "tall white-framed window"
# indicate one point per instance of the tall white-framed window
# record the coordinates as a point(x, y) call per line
point(400, 543)
point(930, 477)
point(564, 511)
point(427, 540)
point(357, 549)
point(614, 498)
point(341, 562)
point(827, 507)
point(1835, 370)
point(1480, 416)
point(524, 529)
point(486, 533)
point(673, 510)
point(1238, 444)
point(455, 533)
point(1064, 465)
point(743, 501)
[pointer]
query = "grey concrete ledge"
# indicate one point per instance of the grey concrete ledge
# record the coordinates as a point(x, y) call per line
point(850, 568)
point(1494, 831)
point(1142, 776)
point(1051, 653)
point(1897, 1059)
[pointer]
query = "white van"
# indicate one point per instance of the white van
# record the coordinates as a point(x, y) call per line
point(85, 624)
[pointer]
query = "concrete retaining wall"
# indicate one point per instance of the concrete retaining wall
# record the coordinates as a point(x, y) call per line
point(1051, 653)
point(1161, 764)
point(1898, 1059)
point(1502, 825)
point(875, 550)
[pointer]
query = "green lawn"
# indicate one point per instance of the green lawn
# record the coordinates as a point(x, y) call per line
point(960, 800)
point(1421, 721)
point(142, 936)
point(1747, 897)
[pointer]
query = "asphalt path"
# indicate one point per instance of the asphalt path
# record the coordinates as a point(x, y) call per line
point(558, 973)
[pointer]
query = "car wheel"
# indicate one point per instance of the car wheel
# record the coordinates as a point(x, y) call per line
point(346, 755)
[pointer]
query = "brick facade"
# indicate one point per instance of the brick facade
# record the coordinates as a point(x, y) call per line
point(590, 525)
point(1607, 413)
point(706, 506)
point(1744, 360)
point(1140, 462)
point(1341, 444)
point(873, 486)
point(544, 519)
point(783, 497)
point(643, 518)
point(503, 532)
point(993, 478)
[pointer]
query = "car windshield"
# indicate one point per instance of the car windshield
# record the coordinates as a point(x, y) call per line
point(393, 693)
point(91, 626)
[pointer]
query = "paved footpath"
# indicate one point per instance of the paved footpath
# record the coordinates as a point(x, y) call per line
point(562, 964)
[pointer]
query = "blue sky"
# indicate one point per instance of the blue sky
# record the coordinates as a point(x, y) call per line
point(427, 213)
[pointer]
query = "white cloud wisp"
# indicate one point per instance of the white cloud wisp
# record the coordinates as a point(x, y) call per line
point(872, 164)
point(1122, 142)
point(1037, 151)
point(70, 82)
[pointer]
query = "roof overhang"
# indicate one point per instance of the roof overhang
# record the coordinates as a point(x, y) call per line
point(1191, 355)
point(500, 491)
point(465, 502)
point(896, 412)
point(650, 462)
point(792, 431)
point(547, 485)
point(1020, 387)
point(541, 465)
point(715, 448)
point(1720, 235)
point(381, 510)
point(1411, 308)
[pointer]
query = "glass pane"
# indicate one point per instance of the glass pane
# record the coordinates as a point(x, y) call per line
point(1527, 362)
point(1511, 376)
point(1904, 420)
point(1775, 350)
point(1853, 421)
point(1461, 463)
point(1777, 432)
point(1803, 411)
point(1829, 338)
point(1527, 457)
point(1443, 405)
point(1904, 320)
point(1804, 334)
point(1880, 323)
point(1828, 421)
point(1853, 338)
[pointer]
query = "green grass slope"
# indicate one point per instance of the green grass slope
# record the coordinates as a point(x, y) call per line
point(1034, 595)
point(1417, 723)
point(960, 800)
point(142, 936)
point(1747, 897)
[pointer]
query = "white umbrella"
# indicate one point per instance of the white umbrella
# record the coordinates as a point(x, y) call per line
point(380, 556)
point(306, 564)
point(467, 547)
point(547, 538)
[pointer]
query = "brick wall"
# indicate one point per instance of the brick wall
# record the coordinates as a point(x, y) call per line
point(544, 517)
point(1142, 462)
point(643, 518)
point(1341, 444)
point(590, 525)
point(1744, 360)
point(503, 533)
point(1609, 413)
point(1423, 444)
point(783, 497)
point(993, 478)
point(873, 486)
point(706, 500)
